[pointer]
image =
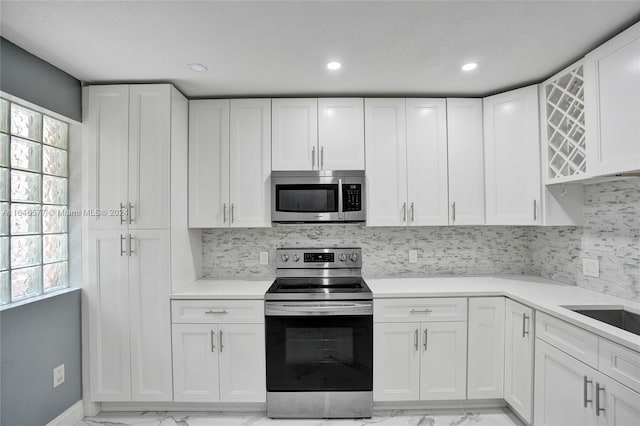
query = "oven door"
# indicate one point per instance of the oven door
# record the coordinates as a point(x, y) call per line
point(319, 353)
point(306, 199)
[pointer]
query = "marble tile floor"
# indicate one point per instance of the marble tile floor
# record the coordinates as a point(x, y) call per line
point(476, 417)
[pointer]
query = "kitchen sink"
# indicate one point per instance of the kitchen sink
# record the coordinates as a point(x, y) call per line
point(615, 316)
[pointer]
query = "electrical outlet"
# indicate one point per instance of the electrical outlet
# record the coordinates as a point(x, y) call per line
point(413, 256)
point(264, 257)
point(58, 375)
point(591, 267)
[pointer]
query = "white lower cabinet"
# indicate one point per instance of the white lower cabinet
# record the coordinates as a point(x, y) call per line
point(518, 358)
point(418, 360)
point(218, 362)
point(485, 366)
point(570, 393)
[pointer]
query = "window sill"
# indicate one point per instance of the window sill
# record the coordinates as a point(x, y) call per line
point(37, 298)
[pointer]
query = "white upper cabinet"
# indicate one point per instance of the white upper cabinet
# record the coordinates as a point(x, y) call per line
point(208, 162)
point(386, 157)
point(294, 144)
point(129, 140)
point(466, 161)
point(341, 134)
point(317, 134)
point(229, 163)
point(249, 163)
point(612, 96)
point(406, 153)
point(512, 160)
point(427, 196)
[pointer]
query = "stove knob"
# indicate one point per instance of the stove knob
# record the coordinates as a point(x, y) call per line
point(343, 257)
point(285, 257)
point(353, 257)
point(296, 257)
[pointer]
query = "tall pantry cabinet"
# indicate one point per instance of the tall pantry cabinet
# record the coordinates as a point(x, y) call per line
point(132, 132)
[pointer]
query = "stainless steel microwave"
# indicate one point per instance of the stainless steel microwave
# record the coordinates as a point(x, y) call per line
point(318, 196)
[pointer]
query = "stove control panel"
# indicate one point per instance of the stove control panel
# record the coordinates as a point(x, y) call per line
point(319, 258)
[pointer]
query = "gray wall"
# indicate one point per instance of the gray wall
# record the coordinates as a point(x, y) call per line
point(34, 339)
point(32, 79)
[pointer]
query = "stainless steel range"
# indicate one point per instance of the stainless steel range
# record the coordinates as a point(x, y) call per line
point(319, 335)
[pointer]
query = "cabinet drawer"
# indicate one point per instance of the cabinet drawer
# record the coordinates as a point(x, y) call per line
point(619, 363)
point(413, 310)
point(217, 311)
point(573, 340)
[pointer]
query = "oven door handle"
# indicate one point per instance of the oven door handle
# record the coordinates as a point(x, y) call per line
point(303, 309)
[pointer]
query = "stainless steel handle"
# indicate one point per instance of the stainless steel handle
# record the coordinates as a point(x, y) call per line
point(412, 218)
point(313, 157)
point(220, 341)
point(131, 208)
point(585, 396)
point(525, 320)
point(598, 389)
point(417, 311)
point(122, 210)
point(224, 213)
point(213, 346)
point(340, 203)
point(453, 212)
point(415, 338)
point(404, 212)
point(425, 338)
point(122, 250)
point(322, 158)
point(535, 210)
point(233, 209)
point(131, 240)
point(210, 311)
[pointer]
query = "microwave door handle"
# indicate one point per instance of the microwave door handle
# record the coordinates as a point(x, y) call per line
point(340, 207)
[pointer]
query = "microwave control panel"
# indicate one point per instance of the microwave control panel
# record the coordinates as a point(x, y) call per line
point(351, 197)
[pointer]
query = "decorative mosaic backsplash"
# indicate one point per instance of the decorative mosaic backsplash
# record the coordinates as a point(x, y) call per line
point(441, 250)
point(611, 232)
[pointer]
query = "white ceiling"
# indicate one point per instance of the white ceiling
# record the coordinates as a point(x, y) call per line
point(264, 48)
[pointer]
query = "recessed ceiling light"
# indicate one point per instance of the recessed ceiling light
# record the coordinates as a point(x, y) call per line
point(334, 65)
point(469, 66)
point(195, 67)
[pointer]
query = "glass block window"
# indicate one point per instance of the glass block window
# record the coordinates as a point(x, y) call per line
point(33, 203)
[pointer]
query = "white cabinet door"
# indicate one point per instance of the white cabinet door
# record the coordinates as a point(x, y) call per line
point(242, 362)
point(386, 157)
point(443, 367)
point(341, 133)
point(564, 389)
point(518, 358)
point(466, 161)
point(427, 194)
point(209, 163)
point(107, 135)
point(396, 361)
point(108, 297)
point(612, 100)
point(294, 141)
point(195, 363)
point(250, 163)
point(486, 347)
point(149, 151)
point(620, 406)
point(512, 157)
point(150, 315)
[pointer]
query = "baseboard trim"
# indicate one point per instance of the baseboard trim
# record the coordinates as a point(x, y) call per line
point(185, 406)
point(439, 405)
point(70, 417)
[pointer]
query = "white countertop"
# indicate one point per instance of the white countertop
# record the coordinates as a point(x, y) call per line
point(539, 293)
point(223, 289)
